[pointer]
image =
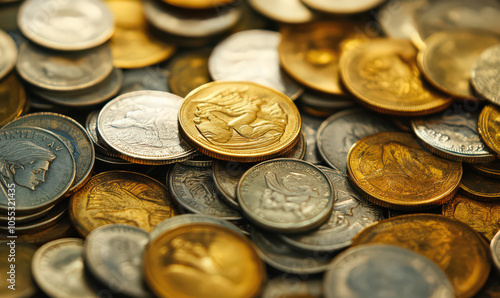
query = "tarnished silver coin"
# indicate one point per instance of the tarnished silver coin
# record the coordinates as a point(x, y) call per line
point(50, 219)
point(38, 169)
point(385, 271)
point(286, 195)
point(199, 160)
point(252, 55)
point(485, 75)
point(58, 269)
point(142, 127)
point(113, 254)
point(91, 127)
point(310, 126)
point(282, 257)
point(8, 54)
point(495, 250)
point(184, 219)
point(63, 71)
point(17, 283)
point(66, 25)
point(282, 286)
point(342, 6)
point(145, 78)
point(337, 134)
point(4, 218)
point(284, 11)
point(299, 150)
point(74, 136)
point(194, 189)
point(351, 214)
point(189, 24)
point(453, 135)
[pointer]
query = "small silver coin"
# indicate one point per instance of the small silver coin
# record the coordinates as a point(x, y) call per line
point(495, 251)
point(8, 54)
point(199, 160)
point(91, 127)
point(485, 75)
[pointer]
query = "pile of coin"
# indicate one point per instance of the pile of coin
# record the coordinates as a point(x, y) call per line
point(222, 148)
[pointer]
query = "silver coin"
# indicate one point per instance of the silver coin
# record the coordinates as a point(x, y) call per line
point(495, 250)
point(8, 54)
point(285, 11)
point(113, 254)
point(74, 136)
point(146, 78)
point(351, 214)
point(283, 286)
point(282, 257)
point(299, 150)
point(194, 189)
point(198, 161)
point(58, 269)
point(64, 71)
point(4, 218)
point(66, 25)
point(91, 127)
point(252, 55)
point(185, 219)
point(226, 175)
point(188, 24)
point(310, 126)
point(38, 168)
point(339, 132)
point(453, 135)
point(485, 75)
point(342, 6)
point(113, 161)
point(285, 195)
point(385, 271)
point(50, 219)
point(142, 127)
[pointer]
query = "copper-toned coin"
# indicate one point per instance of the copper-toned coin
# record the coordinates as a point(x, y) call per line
point(489, 127)
point(452, 245)
point(8, 50)
point(383, 75)
point(285, 11)
point(16, 265)
point(121, 197)
point(189, 71)
point(198, 4)
point(12, 99)
point(200, 260)
point(491, 169)
point(449, 56)
point(479, 187)
point(485, 76)
point(239, 121)
point(391, 170)
point(342, 6)
point(482, 217)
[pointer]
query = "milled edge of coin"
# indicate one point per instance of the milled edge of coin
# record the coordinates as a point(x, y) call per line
point(48, 220)
point(483, 129)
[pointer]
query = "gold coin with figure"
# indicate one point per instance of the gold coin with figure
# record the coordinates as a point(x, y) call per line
point(392, 170)
point(383, 75)
point(452, 245)
point(489, 127)
point(239, 121)
point(203, 260)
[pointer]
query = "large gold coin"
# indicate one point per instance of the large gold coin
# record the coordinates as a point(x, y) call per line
point(197, 4)
point(132, 45)
point(203, 260)
point(121, 197)
point(452, 245)
point(391, 170)
point(239, 121)
point(489, 127)
point(384, 77)
point(12, 99)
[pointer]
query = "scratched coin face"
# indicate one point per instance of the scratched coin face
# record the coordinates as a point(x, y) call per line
point(67, 25)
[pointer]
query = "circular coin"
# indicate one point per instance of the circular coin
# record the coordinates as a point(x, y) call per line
point(491, 169)
point(480, 188)
point(342, 6)
point(227, 174)
point(12, 99)
point(198, 4)
point(495, 250)
point(146, 78)
point(189, 71)
point(391, 170)
point(284, 11)
point(17, 282)
point(8, 54)
point(489, 128)
point(50, 219)
point(483, 76)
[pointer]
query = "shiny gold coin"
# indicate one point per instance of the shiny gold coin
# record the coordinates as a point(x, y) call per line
point(484, 218)
point(449, 56)
point(491, 169)
point(132, 46)
point(489, 127)
point(120, 197)
point(198, 4)
point(203, 260)
point(480, 188)
point(12, 99)
point(239, 121)
point(452, 245)
point(384, 77)
point(391, 170)
point(188, 72)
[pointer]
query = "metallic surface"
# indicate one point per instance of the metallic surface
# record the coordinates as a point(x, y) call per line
point(479, 187)
point(189, 71)
point(489, 128)
point(484, 77)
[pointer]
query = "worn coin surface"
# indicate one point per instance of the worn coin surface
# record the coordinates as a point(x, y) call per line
point(495, 250)
point(338, 133)
point(194, 189)
point(383, 75)
point(196, 259)
point(239, 121)
point(454, 246)
point(66, 25)
point(489, 127)
point(385, 271)
point(74, 136)
point(252, 55)
point(8, 54)
point(38, 169)
point(284, 11)
point(113, 254)
point(12, 99)
point(342, 6)
point(391, 170)
point(479, 187)
point(21, 280)
point(63, 71)
point(485, 76)
point(121, 197)
point(58, 269)
point(282, 286)
point(286, 195)
point(351, 214)
point(142, 127)
point(189, 71)
point(448, 58)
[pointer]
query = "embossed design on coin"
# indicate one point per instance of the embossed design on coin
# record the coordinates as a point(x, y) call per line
point(489, 127)
point(485, 74)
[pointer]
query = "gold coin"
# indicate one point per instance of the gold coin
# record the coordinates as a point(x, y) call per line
point(120, 197)
point(12, 99)
point(391, 170)
point(480, 188)
point(239, 121)
point(491, 169)
point(203, 260)
point(484, 218)
point(455, 247)
point(384, 77)
point(448, 58)
point(132, 46)
point(188, 72)
point(198, 4)
point(489, 127)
